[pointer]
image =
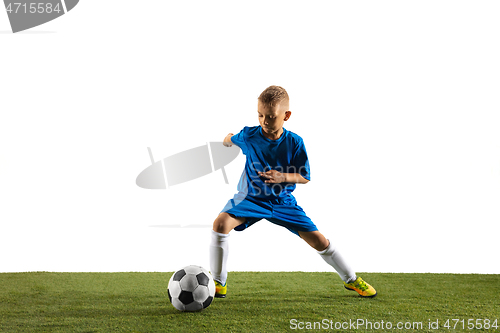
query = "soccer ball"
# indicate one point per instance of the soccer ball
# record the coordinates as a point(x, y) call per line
point(191, 289)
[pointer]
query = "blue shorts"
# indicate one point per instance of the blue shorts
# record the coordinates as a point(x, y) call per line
point(286, 214)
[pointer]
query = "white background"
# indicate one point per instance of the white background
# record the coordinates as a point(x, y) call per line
point(397, 102)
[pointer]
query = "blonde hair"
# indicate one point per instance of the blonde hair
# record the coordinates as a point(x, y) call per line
point(274, 95)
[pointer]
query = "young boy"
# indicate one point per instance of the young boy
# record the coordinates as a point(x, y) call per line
point(276, 160)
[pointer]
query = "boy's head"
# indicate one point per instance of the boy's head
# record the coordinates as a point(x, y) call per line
point(275, 96)
point(273, 104)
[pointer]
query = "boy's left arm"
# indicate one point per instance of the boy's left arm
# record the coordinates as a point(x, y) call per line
point(275, 177)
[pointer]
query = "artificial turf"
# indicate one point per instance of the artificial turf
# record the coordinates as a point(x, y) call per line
point(256, 302)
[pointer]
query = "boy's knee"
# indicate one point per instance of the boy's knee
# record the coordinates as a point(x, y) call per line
point(219, 225)
point(224, 223)
point(315, 239)
point(320, 244)
point(323, 244)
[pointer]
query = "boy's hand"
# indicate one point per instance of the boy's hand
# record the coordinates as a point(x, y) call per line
point(273, 176)
point(227, 140)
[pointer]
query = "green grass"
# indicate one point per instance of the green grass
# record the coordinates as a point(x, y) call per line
point(256, 302)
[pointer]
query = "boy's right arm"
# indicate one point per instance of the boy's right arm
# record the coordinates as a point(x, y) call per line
point(227, 140)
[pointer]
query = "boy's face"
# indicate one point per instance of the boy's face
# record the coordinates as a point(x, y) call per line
point(271, 119)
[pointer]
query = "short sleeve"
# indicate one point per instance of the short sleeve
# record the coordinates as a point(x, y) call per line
point(301, 161)
point(240, 141)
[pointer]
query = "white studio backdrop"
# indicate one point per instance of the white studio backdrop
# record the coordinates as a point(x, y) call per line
point(397, 103)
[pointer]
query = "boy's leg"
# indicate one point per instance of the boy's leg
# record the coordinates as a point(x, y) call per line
point(219, 248)
point(328, 252)
point(226, 222)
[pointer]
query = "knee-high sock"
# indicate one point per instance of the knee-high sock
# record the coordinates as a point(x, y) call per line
point(334, 259)
point(219, 250)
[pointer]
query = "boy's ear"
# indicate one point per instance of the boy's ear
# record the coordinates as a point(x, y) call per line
point(287, 115)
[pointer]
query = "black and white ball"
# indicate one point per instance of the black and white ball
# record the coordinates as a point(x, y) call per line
point(191, 289)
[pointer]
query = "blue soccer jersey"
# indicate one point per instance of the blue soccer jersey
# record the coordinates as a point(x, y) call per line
point(286, 155)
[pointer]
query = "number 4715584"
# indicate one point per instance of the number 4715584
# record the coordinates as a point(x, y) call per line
point(33, 8)
point(471, 324)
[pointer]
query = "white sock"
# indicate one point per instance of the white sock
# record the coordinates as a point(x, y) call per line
point(219, 250)
point(334, 259)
